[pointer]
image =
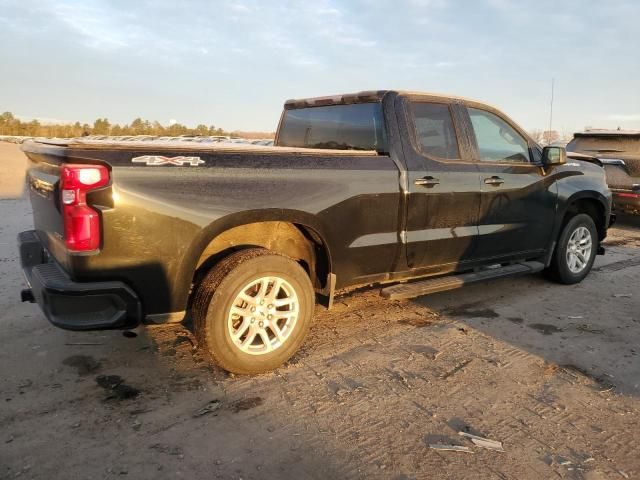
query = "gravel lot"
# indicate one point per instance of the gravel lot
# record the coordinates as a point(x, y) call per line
point(551, 371)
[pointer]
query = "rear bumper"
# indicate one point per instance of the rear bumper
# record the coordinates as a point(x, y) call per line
point(626, 200)
point(74, 305)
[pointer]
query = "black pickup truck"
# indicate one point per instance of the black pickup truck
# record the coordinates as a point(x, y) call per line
point(381, 187)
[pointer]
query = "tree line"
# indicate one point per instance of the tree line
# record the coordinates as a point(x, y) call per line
point(10, 125)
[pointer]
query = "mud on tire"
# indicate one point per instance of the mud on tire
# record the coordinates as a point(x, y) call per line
point(245, 324)
point(560, 268)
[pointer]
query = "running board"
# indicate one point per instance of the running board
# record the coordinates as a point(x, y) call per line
point(451, 282)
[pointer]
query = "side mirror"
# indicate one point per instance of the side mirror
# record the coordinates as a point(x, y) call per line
point(553, 156)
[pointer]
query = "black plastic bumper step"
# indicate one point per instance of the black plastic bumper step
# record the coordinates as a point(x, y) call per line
point(70, 304)
point(451, 282)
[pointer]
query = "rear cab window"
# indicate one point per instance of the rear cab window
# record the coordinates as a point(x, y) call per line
point(609, 144)
point(358, 126)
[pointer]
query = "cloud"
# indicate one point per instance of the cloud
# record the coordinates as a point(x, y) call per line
point(341, 30)
point(624, 117)
point(354, 41)
point(301, 34)
point(503, 5)
point(483, 48)
point(98, 25)
point(240, 7)
point(427, 3)
point(329, 11)
point(287, 50)
point(306, 62)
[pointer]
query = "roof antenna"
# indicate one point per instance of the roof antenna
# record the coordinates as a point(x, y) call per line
point(550, 112)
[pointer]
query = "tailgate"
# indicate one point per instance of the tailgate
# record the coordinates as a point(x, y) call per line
point(46, 159)
point(618, 151)
point(43, 184)
point(617, 177)
point(623, 172)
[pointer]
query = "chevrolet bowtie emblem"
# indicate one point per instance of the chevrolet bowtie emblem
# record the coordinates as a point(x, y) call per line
point(156, 160)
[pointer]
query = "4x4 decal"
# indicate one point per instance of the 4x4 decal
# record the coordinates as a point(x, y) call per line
point(156, 160)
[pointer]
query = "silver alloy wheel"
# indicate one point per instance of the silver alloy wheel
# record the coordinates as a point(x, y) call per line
point(579, 249)
point(263, 315)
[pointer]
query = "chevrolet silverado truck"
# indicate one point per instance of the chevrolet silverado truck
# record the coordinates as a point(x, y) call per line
point(619, 152)
point(418, 193)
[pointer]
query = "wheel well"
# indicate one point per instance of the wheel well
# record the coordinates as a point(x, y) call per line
point(296, 241)
point(591, 207)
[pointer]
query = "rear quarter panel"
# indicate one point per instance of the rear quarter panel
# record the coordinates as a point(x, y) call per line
point(161, 218)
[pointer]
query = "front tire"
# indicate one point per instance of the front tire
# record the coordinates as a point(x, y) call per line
point(576, 250)
point(253, 310)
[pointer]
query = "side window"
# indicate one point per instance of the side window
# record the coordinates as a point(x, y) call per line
point(434, 130)
point(497, 140)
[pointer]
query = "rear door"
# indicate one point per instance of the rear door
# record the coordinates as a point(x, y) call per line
point(444, 188)
point(518, 201)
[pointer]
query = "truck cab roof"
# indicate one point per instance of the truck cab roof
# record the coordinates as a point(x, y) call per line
point(367, 96)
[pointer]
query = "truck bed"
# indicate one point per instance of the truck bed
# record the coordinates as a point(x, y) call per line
point(158, 217)
point(181, 146)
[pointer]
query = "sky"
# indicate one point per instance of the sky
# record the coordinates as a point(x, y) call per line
point(233, 64)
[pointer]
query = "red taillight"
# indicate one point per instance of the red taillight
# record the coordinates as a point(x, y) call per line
point(628, 195)
point(81, 222)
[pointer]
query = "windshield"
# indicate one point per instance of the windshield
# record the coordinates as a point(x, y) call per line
point(343, 127)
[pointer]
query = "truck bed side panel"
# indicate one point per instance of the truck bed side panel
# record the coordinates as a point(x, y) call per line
point(157, 219)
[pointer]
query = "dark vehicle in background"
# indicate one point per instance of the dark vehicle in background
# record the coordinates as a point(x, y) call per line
point(375, 187)
point(619, 152)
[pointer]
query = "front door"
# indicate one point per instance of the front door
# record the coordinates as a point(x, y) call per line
point(444, 189)
point(518, 201)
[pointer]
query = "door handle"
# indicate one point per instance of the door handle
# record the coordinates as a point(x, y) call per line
point(495, 180)
point(426, 181)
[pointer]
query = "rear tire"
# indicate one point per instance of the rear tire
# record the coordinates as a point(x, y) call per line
point(246, 325)
point(575, 251)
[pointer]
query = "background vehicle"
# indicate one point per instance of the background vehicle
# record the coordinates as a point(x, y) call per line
point(371, 187)
point(619, 151)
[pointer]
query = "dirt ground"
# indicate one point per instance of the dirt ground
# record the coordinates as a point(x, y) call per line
point(551, 371)
point(12, 166)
